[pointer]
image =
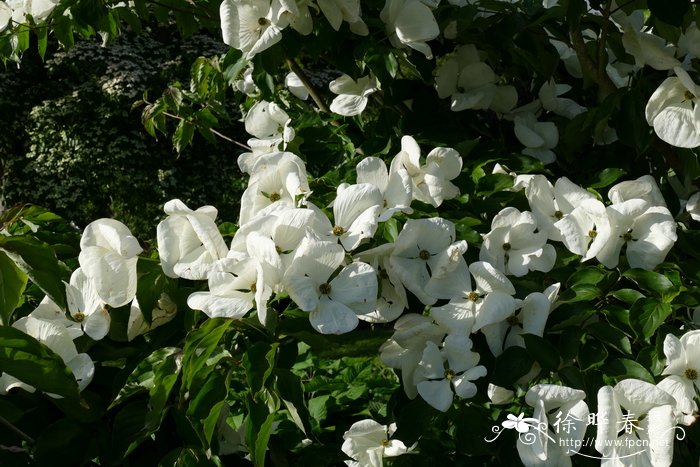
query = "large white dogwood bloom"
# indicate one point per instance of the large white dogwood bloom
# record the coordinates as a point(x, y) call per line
point(333, 304)
point(189, 242)
point(352, 96)
point(562, 417)
point(643, 434)
point(395, 186)
point(248, 25)
point(268, 122)
point(674, 112)
point(438, 384)
point(356, 213)
point(410, 23)
point(515, 246)
point(539, 138)
point(368, 442)
point(682, 366)
point(108, 257)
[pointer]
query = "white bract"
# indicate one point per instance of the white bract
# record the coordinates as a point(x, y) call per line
point(296, 86)
point(247, 25)
point(163, 312)
point(561, 417)
point(489, 301)
point(428, 260)
point(108, 257)
point(431, 181)
point(471, 83)
point(395, 186)
point(86, 307)
point(333, 304)
point(268, 122)
point(549, 97)
point(410, 23)
point(353, 96)
point(515, 246)
point(693, 206)
point(189, 242)
point(368, 442)
point(642, 434)
point(356, 212)
point(337, 11)
point(539, 138)
point(405, 348)
point(646, 47)
point(644, 187)
point(673, 111)
point(392, 299)
point(682, 365)
point(438, 384)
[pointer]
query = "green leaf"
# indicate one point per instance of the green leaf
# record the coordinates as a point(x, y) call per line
point(513, 363)
point(152, 283)
point(606, 177)
point(610, 335)
point(646, 315)
point(258, 430)
point(164, 378)
point(32, 362)
point(653, 282)
point(200, 344)
point(188, 457)
point(142, 378)
point(204, 410)
point(41, 36)
point(183, 135)
point(291, 391)
point(628, 296)
point(259, 361)
point(37, 260)
point(591, 354)
point(12, 284)
point(626, 368)
point(542, 351)
point(580, 293)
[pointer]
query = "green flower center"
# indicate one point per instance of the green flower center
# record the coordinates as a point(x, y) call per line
point(324, 288)
point(512, 320)
point(338, 231)
point(263, 21)
point(691, 374)
point(506, 246)
point(424, 255)
point(79, 316)
point(558, 214)
point(253, 287)
point(275, 197)
point(449, 374)
point(592, 233)
point(473, 296)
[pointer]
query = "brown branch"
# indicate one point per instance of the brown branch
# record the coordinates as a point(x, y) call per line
point(21, 433)
point(220, 135)
point(320, 103)
point(605, 84)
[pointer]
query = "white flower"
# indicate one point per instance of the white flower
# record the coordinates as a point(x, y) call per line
point(367, 442)
point(108, 257)
point(189, 242)
point(427, 258)
point(489, 301)
point(295, 86)
point(471, 83)
point(5, 15)
point(58, 339)
point(538, 137)
point(410, 23)
point(246, 84)
point(333, 304)
point(431, 181)
point(352, 95)
point(498, 395)
point(404, 349)
point(648, 421)
point(395, 187)
point(392, 300)
point(560, 420)
point(693, 206)
point(86, 307)
point(236, 284)
point(437, 384)
point(550, 204)
point(337, 11)
point(644, 187)
point(356, 212)
point(269, 122)
point(549, 97)
point(163, 312)
point(682, 366)
point(689, 42)
point(247, 25)
point(646, 47)
point(534, 311)
point(648, 232)
point(514, 245)
point(673, 111)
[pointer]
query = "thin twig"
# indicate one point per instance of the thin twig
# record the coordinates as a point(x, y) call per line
point(320, 103)
point(602, 51)
point(21, 433)
point(220, 135)
point(605, 84)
